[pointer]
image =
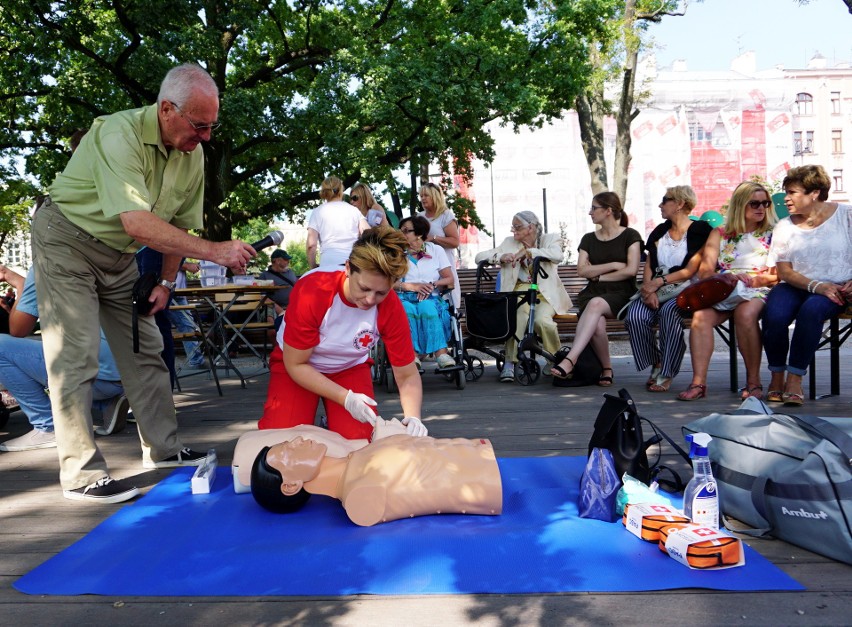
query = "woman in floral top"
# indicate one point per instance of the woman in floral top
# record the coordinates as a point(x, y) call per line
point(740, 249)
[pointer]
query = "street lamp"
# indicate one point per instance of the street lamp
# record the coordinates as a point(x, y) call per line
point(544, 196)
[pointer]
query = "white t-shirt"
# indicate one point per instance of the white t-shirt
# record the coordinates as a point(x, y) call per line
point(428, 268)
point(337, 224)
point(436, 228)
point(320, 318)
point(823, 253)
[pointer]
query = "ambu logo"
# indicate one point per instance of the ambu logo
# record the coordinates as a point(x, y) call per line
point(802, 513)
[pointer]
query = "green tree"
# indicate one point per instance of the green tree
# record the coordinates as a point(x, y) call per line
point(358, 88)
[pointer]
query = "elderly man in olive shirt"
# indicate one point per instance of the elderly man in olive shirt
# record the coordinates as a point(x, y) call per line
point(137, 179)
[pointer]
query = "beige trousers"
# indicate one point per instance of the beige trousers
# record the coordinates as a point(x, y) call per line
point(81, 285)
point(544, 326)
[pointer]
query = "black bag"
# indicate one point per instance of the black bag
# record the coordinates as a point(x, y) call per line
point(587, 370)
point(491, 316)
point(618, 428)
point(142, 289)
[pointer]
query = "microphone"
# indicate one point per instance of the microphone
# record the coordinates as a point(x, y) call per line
point(273, 239)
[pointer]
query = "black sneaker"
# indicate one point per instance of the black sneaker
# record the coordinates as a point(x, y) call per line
point(184, 457)
point(106, 490)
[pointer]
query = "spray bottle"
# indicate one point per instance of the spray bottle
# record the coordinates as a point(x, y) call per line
point(700, 498)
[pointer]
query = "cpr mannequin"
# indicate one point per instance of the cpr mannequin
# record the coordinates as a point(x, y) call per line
point(395, 476)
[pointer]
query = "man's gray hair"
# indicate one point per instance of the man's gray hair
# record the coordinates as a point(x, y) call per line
point(182, 81)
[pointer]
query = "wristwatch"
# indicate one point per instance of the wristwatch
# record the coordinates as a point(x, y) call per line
point(169, 285)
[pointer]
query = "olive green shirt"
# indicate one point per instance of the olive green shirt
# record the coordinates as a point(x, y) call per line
point(122, 165)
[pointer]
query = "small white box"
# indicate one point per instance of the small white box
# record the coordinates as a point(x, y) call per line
point(204, 476)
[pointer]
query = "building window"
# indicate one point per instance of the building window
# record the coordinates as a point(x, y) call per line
point(804, 104)
point(837, 175)
point(837, 141)
point(835, 102)
point(803, 142)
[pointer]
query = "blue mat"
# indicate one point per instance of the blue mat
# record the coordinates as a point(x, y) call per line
point(171, 543)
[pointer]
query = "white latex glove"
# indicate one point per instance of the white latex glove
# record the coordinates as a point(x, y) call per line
point(359, 406)
point(414, 426)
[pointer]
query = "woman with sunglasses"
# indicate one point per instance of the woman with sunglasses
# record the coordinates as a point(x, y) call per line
point(609, 259)
point(813, 249)
point(675, 245)
point(334, 226)
point(362, 199)
point(428, 273)
point(740, 250)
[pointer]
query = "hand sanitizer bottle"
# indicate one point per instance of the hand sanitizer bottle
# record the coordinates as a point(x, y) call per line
point(701, 498)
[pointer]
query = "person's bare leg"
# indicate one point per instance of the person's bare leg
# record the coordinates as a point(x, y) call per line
point(700, 350)
point(746, 317)
point(586, 328)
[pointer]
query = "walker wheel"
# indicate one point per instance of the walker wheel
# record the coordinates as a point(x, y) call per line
point(527, 371)
point(474, 369)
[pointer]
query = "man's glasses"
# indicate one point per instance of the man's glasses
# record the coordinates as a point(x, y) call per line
point(667, 199)
point(407, 231)
point(756, 204)
point(198, 127)
point(354, 198)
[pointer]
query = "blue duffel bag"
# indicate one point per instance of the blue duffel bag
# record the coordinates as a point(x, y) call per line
point(788, 476)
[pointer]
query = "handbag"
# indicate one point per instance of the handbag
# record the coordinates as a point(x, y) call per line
point(665, 293)
point(587, 370)
point(786, 476)
point(618, 428)
point(142, 289)
point(599, 487)
point(705, 293)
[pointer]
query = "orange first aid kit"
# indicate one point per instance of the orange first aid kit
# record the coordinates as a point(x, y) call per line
point(701, 548)
point(644, 520)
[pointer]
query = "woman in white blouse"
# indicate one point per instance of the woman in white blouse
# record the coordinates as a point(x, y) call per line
point(813, 251)
point(420, 292)
point(443, 228)
point(334, 226)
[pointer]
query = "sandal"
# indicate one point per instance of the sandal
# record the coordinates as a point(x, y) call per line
point(792, 399)
point(749, 391)
point(693, 392)
point(559, 372)
point(775, 396)
point(603, 381)
point(652, 380)
point(661, 385)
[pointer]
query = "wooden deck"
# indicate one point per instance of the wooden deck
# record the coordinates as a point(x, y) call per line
point(540, 420)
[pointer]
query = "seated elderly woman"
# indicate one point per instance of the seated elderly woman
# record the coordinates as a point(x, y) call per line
point(739, 250)
point(515, 255)
point(420, 292)
point(813, 252)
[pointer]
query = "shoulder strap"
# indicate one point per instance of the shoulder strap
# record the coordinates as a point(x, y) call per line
point(282, 277)
point(827, 431)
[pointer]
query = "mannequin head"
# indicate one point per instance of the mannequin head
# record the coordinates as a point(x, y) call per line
point(280, 472)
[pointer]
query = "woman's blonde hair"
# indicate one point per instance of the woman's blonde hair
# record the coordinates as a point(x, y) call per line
point(735, 221)
point(437, 196)
point(331, 188)
point(684, 194)
point(364, 193)
point(381, 250)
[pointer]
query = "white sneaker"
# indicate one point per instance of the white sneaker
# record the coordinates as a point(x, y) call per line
point(30, 441)
point(507, 375)
point(445, 361)
point(114, 416)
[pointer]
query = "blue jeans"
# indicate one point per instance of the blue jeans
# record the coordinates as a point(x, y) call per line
point(24, 374)
point(787, 304)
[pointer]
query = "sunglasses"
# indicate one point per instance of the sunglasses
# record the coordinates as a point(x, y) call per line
point(667, 199)
point(756, 204)
point(407, 231)
point(354, 198)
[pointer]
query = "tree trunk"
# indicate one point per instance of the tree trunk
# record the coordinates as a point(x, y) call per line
point(626, 112)
point(217, 215)
point(590, 117)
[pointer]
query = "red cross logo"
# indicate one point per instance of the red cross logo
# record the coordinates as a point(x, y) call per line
point(364, 340)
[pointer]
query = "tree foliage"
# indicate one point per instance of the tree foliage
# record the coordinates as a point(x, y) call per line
point(359, 88)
